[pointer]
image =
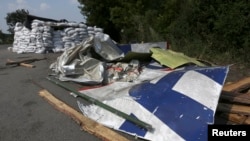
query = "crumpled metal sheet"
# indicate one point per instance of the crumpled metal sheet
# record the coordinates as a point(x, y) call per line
point(78, 64)
point(106, 48)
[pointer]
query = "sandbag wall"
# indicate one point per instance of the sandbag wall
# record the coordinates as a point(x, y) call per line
point(50, 36)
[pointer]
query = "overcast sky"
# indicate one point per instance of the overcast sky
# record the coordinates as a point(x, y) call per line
point(55, 9)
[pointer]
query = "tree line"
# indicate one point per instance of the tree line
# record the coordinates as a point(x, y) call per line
point(204, 29)
point(11, 19)
point(200, 28)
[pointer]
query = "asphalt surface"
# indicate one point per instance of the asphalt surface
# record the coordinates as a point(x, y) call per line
point(24, 115)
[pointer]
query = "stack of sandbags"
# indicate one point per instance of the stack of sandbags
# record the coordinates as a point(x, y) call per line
point(17, 36)
point(69, 36)
point(37, 37)
point(74, 34)
point(43, 35)
point(57, 41)
point(21, 38)
point(50, 36)
point(47, 38)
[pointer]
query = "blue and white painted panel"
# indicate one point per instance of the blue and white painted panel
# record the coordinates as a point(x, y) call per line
point(179, 104)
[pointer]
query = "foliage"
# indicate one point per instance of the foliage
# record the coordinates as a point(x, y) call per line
point(13, 17)
point(97, 13)
point(1, 37)
point(206, 29)
point(199, 28)
point(6, 38)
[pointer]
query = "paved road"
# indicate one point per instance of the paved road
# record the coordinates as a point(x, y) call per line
point(24, 115)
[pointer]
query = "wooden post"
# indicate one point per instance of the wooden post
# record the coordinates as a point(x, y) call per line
point(86, 124)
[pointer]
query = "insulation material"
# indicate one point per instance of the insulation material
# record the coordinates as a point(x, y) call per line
point(78, 64)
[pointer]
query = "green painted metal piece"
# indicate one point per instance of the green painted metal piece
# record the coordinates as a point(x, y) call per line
point(104, 106)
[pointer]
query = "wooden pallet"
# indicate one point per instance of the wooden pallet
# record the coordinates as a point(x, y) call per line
point(234, 103)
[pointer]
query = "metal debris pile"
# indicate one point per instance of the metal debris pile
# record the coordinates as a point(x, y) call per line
point(153, 88)
point(145, 90)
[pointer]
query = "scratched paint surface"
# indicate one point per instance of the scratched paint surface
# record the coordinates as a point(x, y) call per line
point(178, 104)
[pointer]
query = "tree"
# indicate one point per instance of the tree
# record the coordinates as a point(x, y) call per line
point(122, 20)
point(197, 28)
point(13, 17)
point(1, 36)
point(98, 14)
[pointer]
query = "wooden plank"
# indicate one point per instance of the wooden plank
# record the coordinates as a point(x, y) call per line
point(236, 118)
point(237, 86)
point(247, 121)
point(235, 97)
point(234, 108)
point(222, 120)
point(23, 64)
point(23, 61)
point(86, 124)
